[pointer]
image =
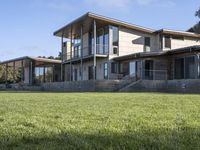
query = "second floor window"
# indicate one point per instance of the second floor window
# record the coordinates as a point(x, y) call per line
point(147, 44)
point(102, 41)
point(167, 41)
point(77, 46)
point(115, 39)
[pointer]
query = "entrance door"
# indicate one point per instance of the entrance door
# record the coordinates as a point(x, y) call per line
point(90, 72)
point(149, 69)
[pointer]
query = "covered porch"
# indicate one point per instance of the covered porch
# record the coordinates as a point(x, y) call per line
point(177, 64)
point(29, 70)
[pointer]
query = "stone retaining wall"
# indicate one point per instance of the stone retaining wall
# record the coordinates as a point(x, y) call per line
point(79, 86)
point(170, 86)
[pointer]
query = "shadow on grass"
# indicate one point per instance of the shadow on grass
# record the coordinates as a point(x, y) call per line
point(185, 138)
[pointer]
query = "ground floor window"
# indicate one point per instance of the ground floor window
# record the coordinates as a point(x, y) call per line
point(43, 74)
point(105, 70)
point(132, 68)
point(113, 67)
point(185, 68)
point(148, 69)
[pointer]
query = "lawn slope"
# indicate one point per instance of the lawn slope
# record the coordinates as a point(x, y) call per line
point(99, 121)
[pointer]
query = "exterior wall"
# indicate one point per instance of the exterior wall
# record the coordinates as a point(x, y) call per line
point(176, 43)
point(184, 43)
point(26, 75)
point(86, 64)
point(131, 41)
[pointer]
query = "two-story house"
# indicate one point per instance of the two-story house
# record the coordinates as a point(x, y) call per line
point(95, 47)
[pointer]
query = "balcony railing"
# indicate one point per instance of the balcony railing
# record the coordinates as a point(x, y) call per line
point(87, 51)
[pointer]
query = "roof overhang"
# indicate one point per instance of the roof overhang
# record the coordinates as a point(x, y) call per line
point(86, 21)
point(37, 59)
point(178, 33)
point(157, 54)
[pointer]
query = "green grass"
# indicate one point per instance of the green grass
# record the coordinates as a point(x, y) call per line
point(99, 121)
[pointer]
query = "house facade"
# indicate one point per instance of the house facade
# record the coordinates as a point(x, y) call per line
point(95, 47)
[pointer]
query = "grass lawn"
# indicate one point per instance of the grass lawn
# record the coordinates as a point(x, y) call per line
point(99, 121)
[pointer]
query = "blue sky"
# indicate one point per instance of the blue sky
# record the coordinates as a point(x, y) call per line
point(27, 26)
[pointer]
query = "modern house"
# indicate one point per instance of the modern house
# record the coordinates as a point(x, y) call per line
point(30, 70)
point(95, 47)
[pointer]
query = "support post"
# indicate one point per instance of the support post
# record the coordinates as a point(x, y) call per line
point(62, 58)
point(82, 52)
point(71, 54)
point(30, 72)
point(6, 74)
point(14, 72)
point(95, 50)
point(198, 66)
point(22, 71)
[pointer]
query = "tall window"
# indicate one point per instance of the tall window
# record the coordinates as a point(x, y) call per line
point(190, 71)
point(113, 67)
point(77, 46)
point(105, 70)
point(147, 44)
point(179, 68)
point(102, 41)
point(115, 38)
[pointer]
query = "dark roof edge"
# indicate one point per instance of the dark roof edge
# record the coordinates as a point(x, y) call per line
point(31, 58)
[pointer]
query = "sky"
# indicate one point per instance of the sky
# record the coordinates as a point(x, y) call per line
point(27, 26)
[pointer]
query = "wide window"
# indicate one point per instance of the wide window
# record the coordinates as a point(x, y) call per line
point(102, 41)
point(147, 44)
point(105, 70)
point(185, 68)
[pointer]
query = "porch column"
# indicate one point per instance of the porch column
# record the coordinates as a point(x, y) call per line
point(53, 73)
point(14, 72)
point(198, 67)
point(163, 41)
point(6, 73)
point(62, 58)
point(71, 54)
point(30, 72)
point(44, 75)
point(82, 52)
point(22, 71)
point(95, 50)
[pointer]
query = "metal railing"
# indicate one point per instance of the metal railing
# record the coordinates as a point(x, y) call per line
point(86, 51)
point(155, 75)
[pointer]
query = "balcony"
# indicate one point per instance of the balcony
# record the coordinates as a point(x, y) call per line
point(88, 52)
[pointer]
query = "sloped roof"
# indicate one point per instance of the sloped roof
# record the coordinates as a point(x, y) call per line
point(32, 58)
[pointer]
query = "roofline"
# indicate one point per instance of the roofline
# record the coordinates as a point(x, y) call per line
point(108, 19)
point(156, 54)
point(184, 33)
point(31, 58)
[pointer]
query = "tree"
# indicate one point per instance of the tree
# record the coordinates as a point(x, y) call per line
point(197, 14)
point(196, 27)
